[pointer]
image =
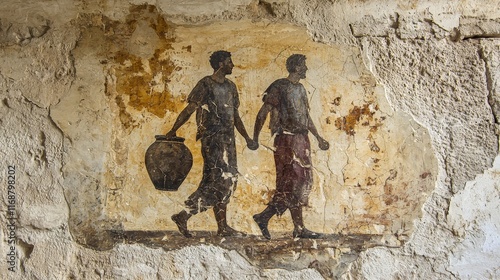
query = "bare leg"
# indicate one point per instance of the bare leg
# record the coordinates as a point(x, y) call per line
point(223, 228)
point(300, 231)
point(262, 219)
point(181, 222)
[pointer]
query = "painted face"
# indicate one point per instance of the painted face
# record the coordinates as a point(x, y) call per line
point(227, 66)
point(301, 69)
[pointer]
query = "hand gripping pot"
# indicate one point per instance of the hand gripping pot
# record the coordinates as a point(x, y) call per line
point(168, 162)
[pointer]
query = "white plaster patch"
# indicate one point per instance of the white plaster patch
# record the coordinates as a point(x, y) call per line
point(474, 216)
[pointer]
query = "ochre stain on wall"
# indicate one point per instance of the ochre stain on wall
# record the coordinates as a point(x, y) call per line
point(135, 54)
point(138, 82)
point(363, 114)
point(141, 77)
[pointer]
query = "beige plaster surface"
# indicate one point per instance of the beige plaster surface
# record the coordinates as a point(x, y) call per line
point(405, 92)
point(374, 179)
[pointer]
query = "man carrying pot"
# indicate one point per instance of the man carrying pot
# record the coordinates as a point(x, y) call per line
point(215, 101)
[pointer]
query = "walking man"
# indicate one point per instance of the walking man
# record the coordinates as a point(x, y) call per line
point(286, 102)
point(215, 100)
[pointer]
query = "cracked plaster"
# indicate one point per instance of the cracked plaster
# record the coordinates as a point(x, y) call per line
point(446, 238)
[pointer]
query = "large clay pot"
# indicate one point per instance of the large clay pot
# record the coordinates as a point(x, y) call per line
point(168, 162)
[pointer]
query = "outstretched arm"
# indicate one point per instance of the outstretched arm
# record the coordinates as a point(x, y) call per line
point(182, 118)
point(322, 143)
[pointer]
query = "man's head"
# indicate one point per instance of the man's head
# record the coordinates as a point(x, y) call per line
point(296, 63)
point(221, 60)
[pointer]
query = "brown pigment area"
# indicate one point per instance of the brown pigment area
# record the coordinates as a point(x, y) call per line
point(135, 76)
point(359, 114)
point(134, 81)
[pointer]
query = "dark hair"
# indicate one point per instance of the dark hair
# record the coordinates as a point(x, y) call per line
point(294, 60)
point(218, 56)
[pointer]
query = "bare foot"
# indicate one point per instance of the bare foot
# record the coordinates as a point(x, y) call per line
point(181, 224)
point(262, 226)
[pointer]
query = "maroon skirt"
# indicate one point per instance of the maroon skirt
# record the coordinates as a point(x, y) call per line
point(293, 171)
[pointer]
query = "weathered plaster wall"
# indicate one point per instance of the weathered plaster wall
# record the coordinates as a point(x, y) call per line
point(363, 184)
point(425, 75)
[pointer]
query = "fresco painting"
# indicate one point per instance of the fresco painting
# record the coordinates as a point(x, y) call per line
point(355, 179)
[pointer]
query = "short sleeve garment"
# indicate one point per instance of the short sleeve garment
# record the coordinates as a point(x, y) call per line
point(290, 113)
point(217, 103)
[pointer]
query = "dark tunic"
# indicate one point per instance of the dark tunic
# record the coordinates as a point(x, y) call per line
point(217, 103)
point(292, 155)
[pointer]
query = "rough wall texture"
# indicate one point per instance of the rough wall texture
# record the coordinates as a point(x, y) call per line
point(147, 78)
point(67, 120)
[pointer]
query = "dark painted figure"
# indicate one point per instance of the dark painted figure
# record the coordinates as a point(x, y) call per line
point(215, 101)
point(286, 102)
